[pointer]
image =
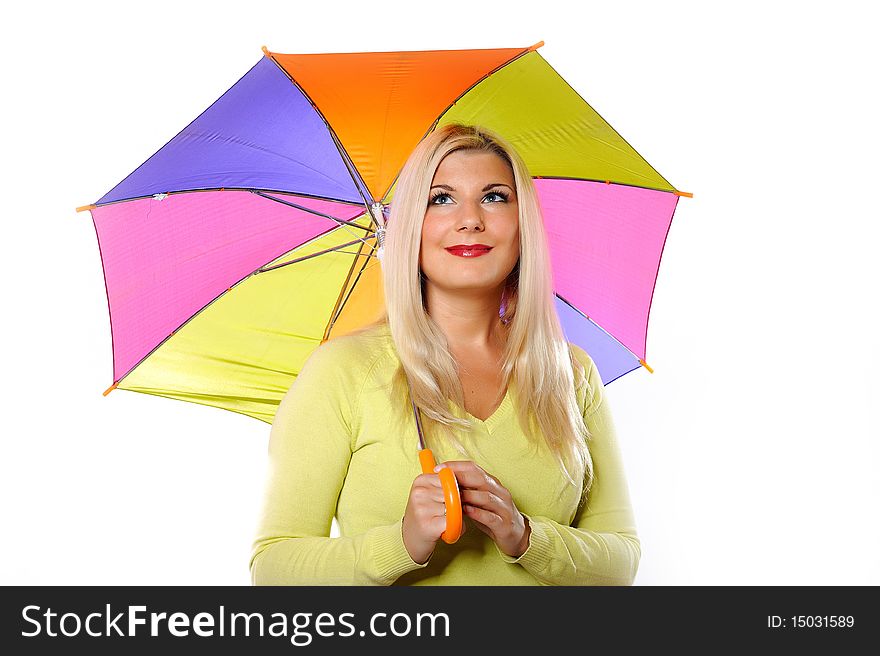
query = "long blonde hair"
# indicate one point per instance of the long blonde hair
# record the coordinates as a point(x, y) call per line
point(537, 359)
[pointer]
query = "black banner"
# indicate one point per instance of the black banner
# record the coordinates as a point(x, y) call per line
point(48, 620)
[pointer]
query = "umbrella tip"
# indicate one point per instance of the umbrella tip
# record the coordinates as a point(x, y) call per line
point(85, 207)
point(110, 389)
point(536, 46)
point(686, 194)
point(645, 365)
point(266, 51)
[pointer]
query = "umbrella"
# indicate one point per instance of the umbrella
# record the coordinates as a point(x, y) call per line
point(249, 238)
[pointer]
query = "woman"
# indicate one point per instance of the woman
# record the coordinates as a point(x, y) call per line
point(470, 334)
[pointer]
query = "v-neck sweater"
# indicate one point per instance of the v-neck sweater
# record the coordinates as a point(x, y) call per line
point(341, 445)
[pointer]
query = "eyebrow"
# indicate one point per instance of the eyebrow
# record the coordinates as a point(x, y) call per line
point(486, 188)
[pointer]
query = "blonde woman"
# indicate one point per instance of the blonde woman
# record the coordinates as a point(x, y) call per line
point(471, 337)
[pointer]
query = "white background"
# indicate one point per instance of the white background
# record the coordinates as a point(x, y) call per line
point(751, 455)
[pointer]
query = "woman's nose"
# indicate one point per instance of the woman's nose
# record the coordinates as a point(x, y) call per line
point(470, 217)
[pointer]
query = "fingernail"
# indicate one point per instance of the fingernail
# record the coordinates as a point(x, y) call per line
point(438, 468)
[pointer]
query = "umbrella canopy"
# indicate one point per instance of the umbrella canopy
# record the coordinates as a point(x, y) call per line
point(247, 240)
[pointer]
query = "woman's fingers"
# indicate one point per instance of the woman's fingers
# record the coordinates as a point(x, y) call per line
point(486, 519)
point(491, 507)
point(431, 493)
point(427, 480)
point(483, 499)
point(470, 475)
point(424, 519)
point(486, 508)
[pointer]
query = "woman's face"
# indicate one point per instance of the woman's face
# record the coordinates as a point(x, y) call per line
point(472, 201)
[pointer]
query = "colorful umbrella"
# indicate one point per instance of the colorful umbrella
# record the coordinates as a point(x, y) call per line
point(249, 238)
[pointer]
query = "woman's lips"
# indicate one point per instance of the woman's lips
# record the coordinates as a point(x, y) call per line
point(469, 251)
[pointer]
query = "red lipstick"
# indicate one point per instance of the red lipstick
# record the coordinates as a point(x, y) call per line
point(469, 250)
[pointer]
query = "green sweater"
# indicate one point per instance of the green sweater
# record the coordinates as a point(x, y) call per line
point(339, 445)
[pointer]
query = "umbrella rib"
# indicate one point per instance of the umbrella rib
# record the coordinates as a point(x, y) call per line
point(459, 97)
point(612, 182)
point(349, 165)
point(315, 212)
point(575, 91)
point(346, 159)
point(342, 222)
point(337, 311)
point(214, 189)
point(311, 255)
point(642, 362)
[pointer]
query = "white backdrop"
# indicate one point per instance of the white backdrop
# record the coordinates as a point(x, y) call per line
point(750, 452)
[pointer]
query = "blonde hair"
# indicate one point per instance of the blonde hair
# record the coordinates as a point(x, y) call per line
point(537, 359)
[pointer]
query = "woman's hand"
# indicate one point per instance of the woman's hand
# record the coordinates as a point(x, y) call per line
point(425, 517)
point(486, 501)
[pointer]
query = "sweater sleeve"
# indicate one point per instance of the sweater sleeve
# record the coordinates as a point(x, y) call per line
point(601, 547)
point(309, 452)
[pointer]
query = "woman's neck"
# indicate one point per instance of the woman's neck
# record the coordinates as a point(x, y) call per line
point(470, 321)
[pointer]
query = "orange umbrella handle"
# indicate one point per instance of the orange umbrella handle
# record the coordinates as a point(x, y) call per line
point(451, 495)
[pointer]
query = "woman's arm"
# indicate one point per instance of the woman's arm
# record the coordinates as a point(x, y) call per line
point(309, 453)
point(601, 547)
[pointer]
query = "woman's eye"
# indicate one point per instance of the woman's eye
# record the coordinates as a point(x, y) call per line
point(443, 198)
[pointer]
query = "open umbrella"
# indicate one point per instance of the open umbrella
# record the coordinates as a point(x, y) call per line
point(250, 237)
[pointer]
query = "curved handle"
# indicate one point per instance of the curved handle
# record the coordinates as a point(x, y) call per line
point(451, 495)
